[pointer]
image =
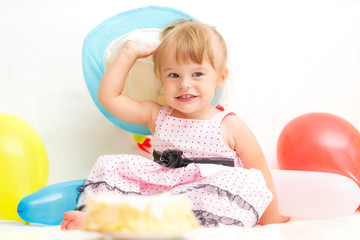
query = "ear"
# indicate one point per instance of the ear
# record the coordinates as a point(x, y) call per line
point(222, 77)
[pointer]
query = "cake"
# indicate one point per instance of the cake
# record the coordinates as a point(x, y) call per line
point(139, 214)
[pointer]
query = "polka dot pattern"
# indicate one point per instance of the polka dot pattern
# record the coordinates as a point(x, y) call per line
point(196, 138)
point(234, 196)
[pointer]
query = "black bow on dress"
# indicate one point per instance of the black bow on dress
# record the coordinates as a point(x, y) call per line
point(174, 159)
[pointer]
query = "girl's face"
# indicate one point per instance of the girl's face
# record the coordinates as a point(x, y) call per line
point(190, 87)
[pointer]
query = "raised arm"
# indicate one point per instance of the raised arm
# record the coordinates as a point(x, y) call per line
point(112, 85)
point(242, 140)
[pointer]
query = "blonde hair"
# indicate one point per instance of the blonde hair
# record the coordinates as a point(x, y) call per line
point(192, 41)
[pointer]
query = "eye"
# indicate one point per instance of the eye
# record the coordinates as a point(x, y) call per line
point(197, 74)
point(173, 75)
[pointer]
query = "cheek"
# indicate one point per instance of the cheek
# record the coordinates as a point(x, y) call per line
point(209, 87)
point(210, 91)
point(170, 85)
point(168, 90)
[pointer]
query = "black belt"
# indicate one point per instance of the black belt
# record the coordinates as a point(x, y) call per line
point(174, 159)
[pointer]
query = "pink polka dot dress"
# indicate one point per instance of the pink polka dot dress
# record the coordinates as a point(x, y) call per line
point(231, 196)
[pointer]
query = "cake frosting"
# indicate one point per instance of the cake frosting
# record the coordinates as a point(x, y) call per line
point(139, 213)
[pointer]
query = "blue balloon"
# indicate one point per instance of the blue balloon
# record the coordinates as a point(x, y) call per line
point(48, 205)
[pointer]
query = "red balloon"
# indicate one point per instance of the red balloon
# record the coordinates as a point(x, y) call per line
point(320, 142)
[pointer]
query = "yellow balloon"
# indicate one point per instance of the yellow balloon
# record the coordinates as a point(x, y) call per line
point(24, 166)
point(139, 138)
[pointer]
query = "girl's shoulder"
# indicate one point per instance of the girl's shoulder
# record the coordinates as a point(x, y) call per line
point(155, 108)
point(233, 130)
point(232, 120)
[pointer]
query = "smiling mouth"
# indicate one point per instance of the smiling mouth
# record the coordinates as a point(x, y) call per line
point(186, 97)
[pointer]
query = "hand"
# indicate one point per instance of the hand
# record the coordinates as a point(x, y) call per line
point(139, 50)
point(284, 219)
point(264, 220)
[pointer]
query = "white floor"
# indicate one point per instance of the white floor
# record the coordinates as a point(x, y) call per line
point(342, 228)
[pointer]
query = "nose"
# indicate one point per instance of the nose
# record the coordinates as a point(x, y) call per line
point(185, 83)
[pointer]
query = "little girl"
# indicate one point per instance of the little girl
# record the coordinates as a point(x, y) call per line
point(190, 63)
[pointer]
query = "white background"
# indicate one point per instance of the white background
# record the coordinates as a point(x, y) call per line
point(286, 58)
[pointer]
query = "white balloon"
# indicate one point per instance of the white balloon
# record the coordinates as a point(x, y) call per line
point(305, 194)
